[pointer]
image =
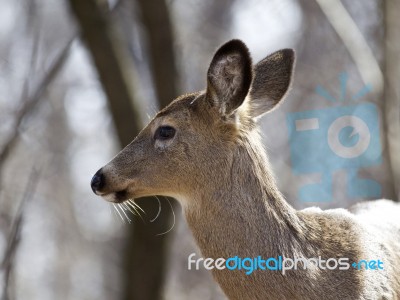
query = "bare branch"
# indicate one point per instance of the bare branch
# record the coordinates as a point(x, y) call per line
point(15, 231)
point(354, 41)
point(31, 102)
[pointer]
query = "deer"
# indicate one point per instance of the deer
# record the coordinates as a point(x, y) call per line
point(205, 150)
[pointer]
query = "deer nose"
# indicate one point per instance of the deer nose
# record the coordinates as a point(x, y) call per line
point(97, 182)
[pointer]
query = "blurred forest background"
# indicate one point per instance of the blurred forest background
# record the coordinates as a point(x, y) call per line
point(79, 79)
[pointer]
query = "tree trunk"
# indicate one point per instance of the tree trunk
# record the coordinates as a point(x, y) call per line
point(392, 87)
point(146, 252)
point(110, 61)
point(145, 255)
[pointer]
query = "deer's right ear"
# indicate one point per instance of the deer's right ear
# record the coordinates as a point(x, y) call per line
point(229, 77)
point(272, 79)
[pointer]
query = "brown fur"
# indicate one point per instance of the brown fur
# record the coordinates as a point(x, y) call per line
point(216, 167)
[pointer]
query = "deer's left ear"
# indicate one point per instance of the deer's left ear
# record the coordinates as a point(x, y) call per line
point(272, 79)
point(229, 77)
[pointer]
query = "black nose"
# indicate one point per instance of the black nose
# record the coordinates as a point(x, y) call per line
point(98, 181)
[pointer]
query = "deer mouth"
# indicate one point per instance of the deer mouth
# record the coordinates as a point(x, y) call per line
point(121, 195)
point(116, 197)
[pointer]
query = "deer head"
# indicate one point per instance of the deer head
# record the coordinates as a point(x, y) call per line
point(189, 145)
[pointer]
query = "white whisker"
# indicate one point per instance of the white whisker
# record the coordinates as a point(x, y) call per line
point(137, 205)
point(129, 208)
point(123, 211)
point(173, 213)
point(131, 204)
point(117, 210)
point(113, 210)
point(159, 210)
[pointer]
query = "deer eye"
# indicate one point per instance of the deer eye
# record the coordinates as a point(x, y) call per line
point(164, 133)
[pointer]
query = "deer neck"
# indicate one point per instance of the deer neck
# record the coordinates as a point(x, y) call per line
point(242, 212)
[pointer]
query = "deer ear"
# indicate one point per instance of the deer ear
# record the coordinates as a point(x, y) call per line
point(272, 79)
point(229, 77)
